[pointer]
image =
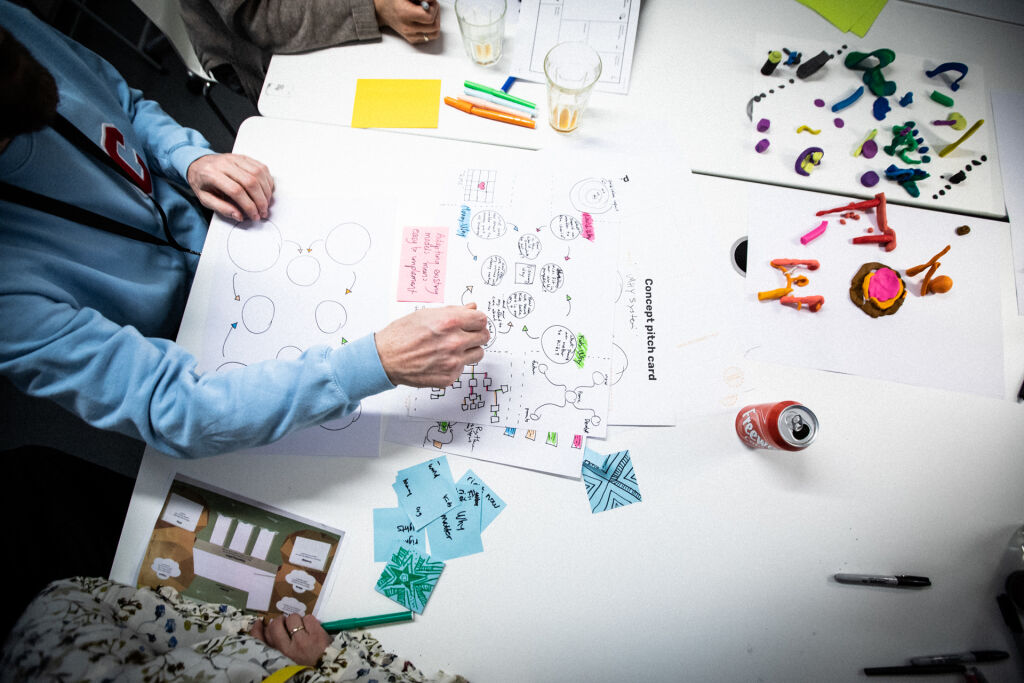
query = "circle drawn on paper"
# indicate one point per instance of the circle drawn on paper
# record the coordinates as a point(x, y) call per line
point(330, 316)
point(552, 277)
point(529, 246)
point(258, 314)
point(565, 227)
point(559, 344)
point(493, 270)
point(343, 422)
point(520, 304)
point(488, 225)
point(592, 195)
point(348, 243)
point(254, 246)
point(304, 270)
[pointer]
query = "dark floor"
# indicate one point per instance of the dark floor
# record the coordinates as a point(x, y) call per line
point(68, 512)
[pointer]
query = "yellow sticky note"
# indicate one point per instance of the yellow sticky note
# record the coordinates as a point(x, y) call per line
point(396, 103)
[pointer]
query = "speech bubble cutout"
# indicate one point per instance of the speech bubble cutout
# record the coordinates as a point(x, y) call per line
point(289, 605)
point(520, 304)
point(488, 225)
point(558, 344)
point(552, 277)
point(529, 246)
point(165, 568)
point(565, 227)
point(301, 581)
point(493, 270)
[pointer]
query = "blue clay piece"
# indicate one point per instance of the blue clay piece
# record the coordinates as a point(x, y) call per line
point(761, 146)
point(763, 125)
point(869, 179)
point(880, 108)
point(906, 99)
point(846, 102)
point(949, 66)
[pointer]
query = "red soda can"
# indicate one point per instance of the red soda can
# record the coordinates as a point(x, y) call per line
point(786, 425)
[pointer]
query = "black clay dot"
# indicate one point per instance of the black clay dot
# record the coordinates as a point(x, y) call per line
point(942, 192)
point(984, 158)
point(792, 81)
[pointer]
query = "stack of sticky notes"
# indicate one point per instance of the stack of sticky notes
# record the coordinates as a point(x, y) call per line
point(435, 510)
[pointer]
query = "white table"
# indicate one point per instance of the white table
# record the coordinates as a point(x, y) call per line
point(696, 66)
point(723, 572)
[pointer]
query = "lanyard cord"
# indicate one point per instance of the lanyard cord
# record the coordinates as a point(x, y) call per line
point(77, 214)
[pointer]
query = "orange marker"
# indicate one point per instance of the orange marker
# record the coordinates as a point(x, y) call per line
point(469, 108)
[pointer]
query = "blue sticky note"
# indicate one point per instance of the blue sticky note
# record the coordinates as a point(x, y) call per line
point(409, 579)
point(472, 488)
point(456, 533)
point(612, 484)
point(426, 491)
point(392, 530)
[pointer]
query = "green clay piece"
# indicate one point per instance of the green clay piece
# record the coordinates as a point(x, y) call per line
point(944, 100)
point(873, 77)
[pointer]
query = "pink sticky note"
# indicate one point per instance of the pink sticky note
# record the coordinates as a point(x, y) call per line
point(422, 269)
point(588, 226)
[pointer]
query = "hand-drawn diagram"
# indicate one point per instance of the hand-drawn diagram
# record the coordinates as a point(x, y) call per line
point(552, 452)
point(547, 294)
point(300, 279)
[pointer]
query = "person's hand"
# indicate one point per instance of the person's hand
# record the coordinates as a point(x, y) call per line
point(301, 639)
point(233, 185)
point(430, 347)
point(409, 19)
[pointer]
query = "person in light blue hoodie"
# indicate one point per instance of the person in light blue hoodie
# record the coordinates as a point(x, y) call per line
point(98, 248)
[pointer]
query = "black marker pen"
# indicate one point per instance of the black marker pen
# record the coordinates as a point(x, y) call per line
point(898, 581)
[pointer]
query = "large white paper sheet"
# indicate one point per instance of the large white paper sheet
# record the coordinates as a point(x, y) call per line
point(312, 274)
point(533, 245)
point(609, 26)
point(1008, 108)
point(789, 103)
point(949, 341)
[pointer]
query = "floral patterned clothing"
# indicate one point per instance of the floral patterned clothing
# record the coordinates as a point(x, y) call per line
point(91, 629)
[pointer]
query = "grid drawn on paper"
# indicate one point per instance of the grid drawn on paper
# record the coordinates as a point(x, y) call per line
point(479, 185)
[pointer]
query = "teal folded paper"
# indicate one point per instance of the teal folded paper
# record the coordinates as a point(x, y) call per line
point(612, 484)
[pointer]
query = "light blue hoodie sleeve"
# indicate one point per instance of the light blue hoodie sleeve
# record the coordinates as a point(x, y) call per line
point(117, 379)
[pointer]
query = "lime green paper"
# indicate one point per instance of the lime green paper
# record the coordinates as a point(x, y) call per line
point(396, 103)
point(848, 16)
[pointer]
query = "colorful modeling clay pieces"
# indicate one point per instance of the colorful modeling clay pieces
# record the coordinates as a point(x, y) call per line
point(944, 100)
point(869, 179)
point(793, 57)
point(819, 103)
point(855, 206)
point(808, 129)
point(949, 66)
point(809, 264)
point(815, 233)
point(940, 285)
point(762, 146)
point(808, 160)
point(813, 303)
point(958, 177)
point(959, 122)
point(911, 272)
point(811, 66)
point(873, 78)
point(848, 100)
point(907, 99)
point(970, 131)
point(838, 122)
point(774, 57)
point(880, 108)
point(763, 125)
point(877, 290)
point(963, 230)
point(950, 122)
point(907, 178)
point(883, 222)
point(871, 239)
point(870, 149)
point(869, 136)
